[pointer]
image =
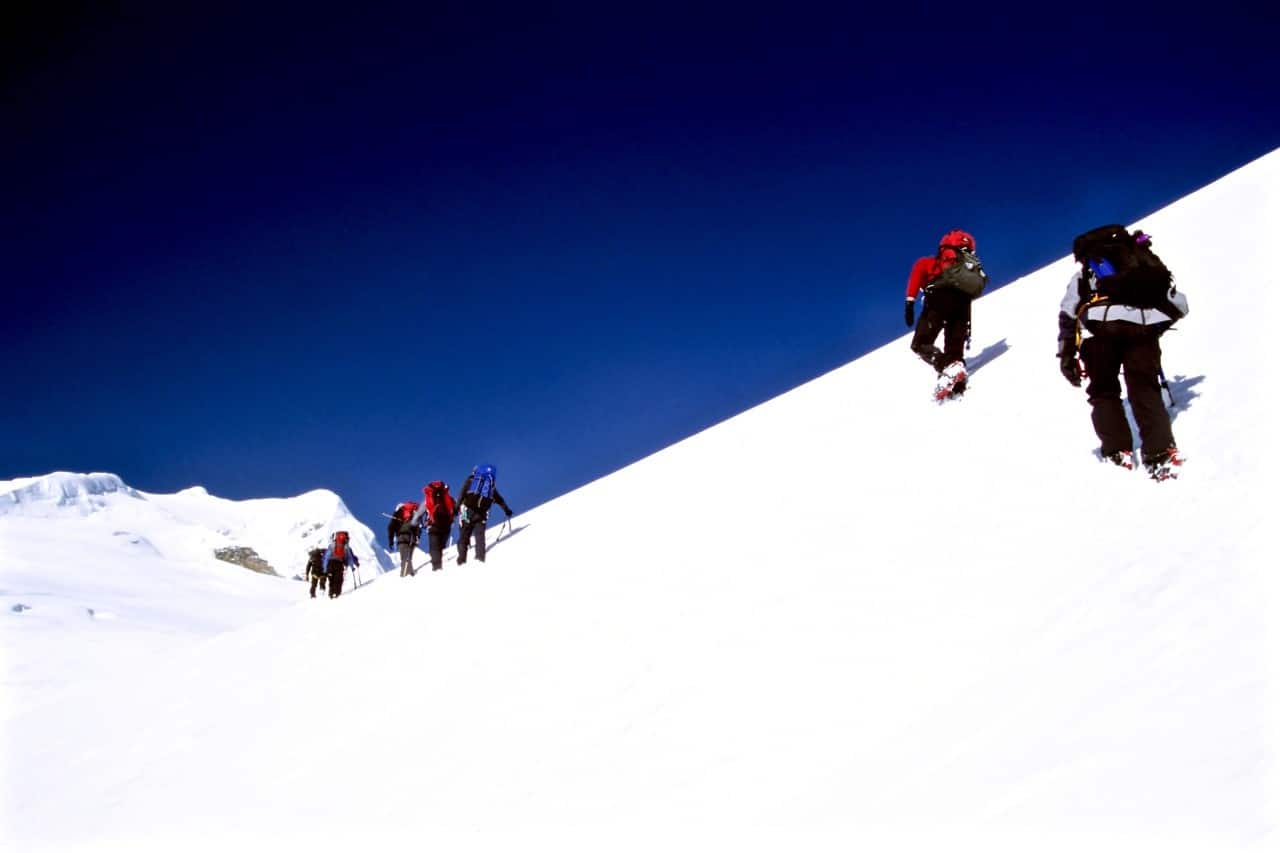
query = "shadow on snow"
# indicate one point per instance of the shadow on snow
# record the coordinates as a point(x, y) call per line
point(989, 353)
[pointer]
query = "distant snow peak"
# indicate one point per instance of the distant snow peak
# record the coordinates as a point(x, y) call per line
point(269, 536)
point(83, 493)
point(326, 498)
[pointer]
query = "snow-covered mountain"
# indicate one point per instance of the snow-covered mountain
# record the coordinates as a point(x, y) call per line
point(192, 525)
point(959, 632)
point(88, 557)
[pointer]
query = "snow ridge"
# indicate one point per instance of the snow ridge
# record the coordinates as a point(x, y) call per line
point(61, 491)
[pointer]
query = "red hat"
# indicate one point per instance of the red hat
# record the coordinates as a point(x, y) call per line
point(958, 240)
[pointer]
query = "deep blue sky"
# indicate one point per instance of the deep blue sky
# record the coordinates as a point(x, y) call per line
point(270, 250)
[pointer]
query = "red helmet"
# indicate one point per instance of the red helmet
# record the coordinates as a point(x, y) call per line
point(958, 240)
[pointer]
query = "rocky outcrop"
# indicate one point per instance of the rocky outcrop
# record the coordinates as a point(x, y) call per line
point(247, 558)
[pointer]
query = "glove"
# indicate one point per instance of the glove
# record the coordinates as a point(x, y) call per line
point(909, 313)
point(1070, 369)
point(507, 511)
point(356, 560)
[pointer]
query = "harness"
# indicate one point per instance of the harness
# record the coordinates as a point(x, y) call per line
point(1095, 298)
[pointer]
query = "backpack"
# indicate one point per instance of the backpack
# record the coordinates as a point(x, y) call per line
point(483, 480)
point(315, 559)
point(405, 511)
point(1123, 268)
point(407, 534)
point(965, 273)
point(339, 542)
point(439, 503)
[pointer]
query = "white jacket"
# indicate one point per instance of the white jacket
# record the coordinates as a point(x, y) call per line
point(1105, 311)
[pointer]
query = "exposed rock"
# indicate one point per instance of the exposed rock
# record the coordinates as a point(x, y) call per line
point(245, 557)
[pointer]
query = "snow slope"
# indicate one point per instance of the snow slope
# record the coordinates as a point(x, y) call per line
point(882, 625)
point(94, 573)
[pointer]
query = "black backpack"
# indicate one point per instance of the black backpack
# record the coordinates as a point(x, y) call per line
point(315, 560)
point(1123, 268)
point(965, 275)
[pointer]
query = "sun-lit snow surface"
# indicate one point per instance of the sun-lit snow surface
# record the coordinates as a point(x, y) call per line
point(846, 616)
point(94, 572)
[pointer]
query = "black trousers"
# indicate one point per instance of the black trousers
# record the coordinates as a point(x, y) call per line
point(436, 537)
point(336, 569)
point(948, 311)
point(1135, 348)
point(464, 540)
point(317, 578)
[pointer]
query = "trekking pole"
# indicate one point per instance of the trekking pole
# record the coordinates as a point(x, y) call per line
point(1164, 383)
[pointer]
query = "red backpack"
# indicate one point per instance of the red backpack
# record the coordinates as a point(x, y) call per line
point(340, 540)
point(406, 510)
point(439, 502)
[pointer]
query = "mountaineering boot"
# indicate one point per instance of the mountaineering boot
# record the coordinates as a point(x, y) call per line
point(1163, 465)
point(951, 381)
point(1122, 458)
